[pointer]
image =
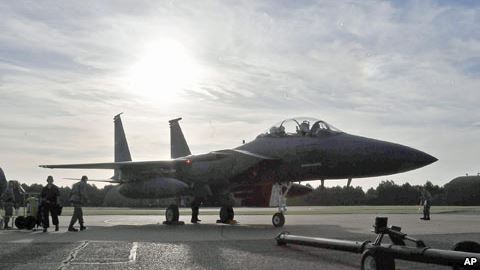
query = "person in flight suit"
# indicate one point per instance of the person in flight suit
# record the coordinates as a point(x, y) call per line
point(8, 199)
point(426, 201)
point(50, 198)
point(78, 198)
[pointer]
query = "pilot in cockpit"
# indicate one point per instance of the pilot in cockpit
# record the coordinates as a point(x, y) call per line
point(315, 129)
point(320, 127)
point(278, 131)
point(304, 128)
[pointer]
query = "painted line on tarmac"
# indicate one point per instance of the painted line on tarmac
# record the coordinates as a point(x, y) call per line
point(114, 222)
point(133, 253)
point(72, 255)
point(22, 241)
point(132, 258)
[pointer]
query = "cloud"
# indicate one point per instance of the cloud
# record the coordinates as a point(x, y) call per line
point(405, 71)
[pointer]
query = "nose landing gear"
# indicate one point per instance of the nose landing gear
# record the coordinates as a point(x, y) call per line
point(279, 199)
point(226, 215)
point(278, 219)
point(172, 215)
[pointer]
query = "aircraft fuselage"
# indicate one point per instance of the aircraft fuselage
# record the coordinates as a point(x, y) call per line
point(295, 158)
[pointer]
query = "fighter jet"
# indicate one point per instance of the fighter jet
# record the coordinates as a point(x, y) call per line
point(258, 173)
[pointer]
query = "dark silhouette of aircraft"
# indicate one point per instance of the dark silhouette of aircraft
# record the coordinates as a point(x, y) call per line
point(259, 173)
point(3, 182)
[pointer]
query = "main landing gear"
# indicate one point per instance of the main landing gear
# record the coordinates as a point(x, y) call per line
point(279, 198)
point(171, 215)
point(226, 215)
point(226, 211)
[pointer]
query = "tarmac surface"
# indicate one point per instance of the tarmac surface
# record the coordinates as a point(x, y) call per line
point(143, 242)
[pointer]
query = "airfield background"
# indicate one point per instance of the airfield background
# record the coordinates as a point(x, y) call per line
point(463, 191)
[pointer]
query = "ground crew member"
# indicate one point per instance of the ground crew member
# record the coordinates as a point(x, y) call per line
point(8, 199)
point(200, 193)
point(19, 194)
point(50, 197)
point(33, 210)
point(78, 198)
point(197, 201)
point(426, 201)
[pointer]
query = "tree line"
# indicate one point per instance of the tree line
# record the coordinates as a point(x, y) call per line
point(457, 192)
point(465, 191)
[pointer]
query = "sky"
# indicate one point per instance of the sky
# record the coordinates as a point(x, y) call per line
point(401, 71)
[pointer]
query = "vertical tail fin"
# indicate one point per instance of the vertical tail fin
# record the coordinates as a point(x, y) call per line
point(121, 152)
point(3, 181)
point(178, 144)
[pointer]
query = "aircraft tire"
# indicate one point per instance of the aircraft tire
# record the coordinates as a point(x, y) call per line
point(30, 222)
point(172, 214)
point(372, 260)
point(20, 222)
point(278, 219)
point(231, 213)
point(224, 214)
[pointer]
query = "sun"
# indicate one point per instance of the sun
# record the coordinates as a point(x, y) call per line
point(164, 69)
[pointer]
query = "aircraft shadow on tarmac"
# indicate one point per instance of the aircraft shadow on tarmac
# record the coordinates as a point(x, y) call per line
point(240, 241)
point(216, 232)
point(209, 246)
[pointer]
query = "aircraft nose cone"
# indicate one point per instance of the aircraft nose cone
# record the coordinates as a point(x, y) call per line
point(420, 159)
point(366, 157)
point(425, 159)
point(378, 157)
point(410, 158)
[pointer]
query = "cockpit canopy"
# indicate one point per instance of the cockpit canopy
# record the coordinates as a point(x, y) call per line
point(301, 126)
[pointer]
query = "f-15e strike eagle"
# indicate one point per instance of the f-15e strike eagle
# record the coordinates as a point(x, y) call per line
point(258, 173)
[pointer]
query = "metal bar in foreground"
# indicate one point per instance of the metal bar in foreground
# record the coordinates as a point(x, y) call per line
point(389, 252)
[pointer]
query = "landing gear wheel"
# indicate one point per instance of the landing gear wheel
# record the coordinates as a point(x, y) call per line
point(20, 222)
point(226, 214)
point(371, 260)
point(172, 214)
point(278, 219)
point(30, 222)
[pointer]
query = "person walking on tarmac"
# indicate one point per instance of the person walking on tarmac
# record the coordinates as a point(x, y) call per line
point(8, 199)
point(426, 201)
point(50, 201)
point(78, 197)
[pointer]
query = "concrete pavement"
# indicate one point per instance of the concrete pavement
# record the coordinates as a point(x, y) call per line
point(142, 242)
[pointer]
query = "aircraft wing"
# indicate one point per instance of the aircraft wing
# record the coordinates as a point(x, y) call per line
point(145, 165)
point(161, 165)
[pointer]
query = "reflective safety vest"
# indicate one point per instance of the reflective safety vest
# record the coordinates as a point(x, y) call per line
point(32, 207)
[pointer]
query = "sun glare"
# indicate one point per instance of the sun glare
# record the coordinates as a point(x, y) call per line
point(163, 70)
